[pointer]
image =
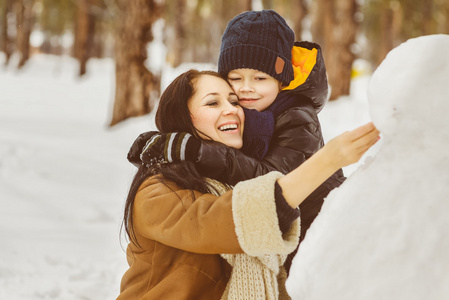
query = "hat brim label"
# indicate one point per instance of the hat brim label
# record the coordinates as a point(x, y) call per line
point(279, 66)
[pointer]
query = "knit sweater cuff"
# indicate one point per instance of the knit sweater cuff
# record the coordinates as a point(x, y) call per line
point(286, 213)
point(256, 218)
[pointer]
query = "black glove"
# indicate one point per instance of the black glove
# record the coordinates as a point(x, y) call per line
point(171, 147)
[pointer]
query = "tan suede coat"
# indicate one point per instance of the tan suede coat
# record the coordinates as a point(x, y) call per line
point(182, 232)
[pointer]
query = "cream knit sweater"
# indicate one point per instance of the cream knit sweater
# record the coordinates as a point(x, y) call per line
point(259, 273)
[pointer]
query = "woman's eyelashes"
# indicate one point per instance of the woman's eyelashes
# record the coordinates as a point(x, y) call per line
point(212, 103)
point(233, 100)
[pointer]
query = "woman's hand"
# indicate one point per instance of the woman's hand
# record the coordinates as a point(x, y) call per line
point(339, 152)
point(349, 147)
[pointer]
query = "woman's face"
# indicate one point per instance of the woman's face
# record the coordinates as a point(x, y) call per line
point(215, 111)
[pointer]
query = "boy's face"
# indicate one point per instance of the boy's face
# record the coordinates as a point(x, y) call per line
point(255, 89)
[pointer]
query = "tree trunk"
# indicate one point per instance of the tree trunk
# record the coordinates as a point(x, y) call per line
point(319, 18)
point(428, 13)
point(82, 33)
point(231, 8)
point(176, 34)
point(299, 8)
point(443, 20)
point(386, 37)
point(24, 15)
point(7, 44)
point(97, 39)
point(267, 4)
point(335, 30)
point(446, 21)
point(390, 29)
point(133, 80)
point(248, 5)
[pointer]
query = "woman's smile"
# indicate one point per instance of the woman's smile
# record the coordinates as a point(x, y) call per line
point(229, 127)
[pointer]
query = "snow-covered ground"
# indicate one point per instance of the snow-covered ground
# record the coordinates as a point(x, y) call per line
point(64, 177)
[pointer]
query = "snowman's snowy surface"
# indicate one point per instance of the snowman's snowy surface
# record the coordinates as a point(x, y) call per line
point(384, 234)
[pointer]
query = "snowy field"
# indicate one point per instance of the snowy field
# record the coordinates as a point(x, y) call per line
point(64, 177)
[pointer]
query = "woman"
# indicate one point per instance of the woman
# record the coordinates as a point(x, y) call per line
point(179, 222)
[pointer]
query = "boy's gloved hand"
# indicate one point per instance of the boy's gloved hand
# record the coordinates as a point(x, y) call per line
point(137, 146)
point(172, 147)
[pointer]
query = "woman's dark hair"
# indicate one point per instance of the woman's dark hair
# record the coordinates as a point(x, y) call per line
point(172, 115)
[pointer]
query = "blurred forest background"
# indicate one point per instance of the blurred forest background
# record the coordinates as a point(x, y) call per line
point(191, 29)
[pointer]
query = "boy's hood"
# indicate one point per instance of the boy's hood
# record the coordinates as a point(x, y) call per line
point(310, 78)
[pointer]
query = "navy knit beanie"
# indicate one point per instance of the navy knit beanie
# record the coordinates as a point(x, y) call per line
point(259, 40)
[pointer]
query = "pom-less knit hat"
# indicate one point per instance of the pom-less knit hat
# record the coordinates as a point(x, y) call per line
point(259, 40)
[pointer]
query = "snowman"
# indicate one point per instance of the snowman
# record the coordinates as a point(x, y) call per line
point(384, 234)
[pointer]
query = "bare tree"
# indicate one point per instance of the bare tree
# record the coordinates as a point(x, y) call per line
point(24, 24)
point(176, 20)
point(133, 80)
point(267, 4)
point(335, 28)
point(7, 43)
point(445, 17)
point(390, 29)
point(248, 4)
point(300, 11)
point(294, 11)
point(383, 24)
point(84, 33)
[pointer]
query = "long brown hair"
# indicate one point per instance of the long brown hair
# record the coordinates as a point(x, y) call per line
point(172, 115)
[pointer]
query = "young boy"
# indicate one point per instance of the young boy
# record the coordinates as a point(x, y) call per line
point(282, 96)
point(256, 58)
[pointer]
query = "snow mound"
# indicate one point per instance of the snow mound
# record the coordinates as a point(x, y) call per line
point(408, 90)
point(383, 233)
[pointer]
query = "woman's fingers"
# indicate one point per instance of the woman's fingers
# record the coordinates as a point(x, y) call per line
point(349, 147)
point(360, 140)
point(368, 145)
point(361, 131)
point(366, 140)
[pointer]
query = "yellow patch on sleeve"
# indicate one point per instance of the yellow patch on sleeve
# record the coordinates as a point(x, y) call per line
point(303, 61)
